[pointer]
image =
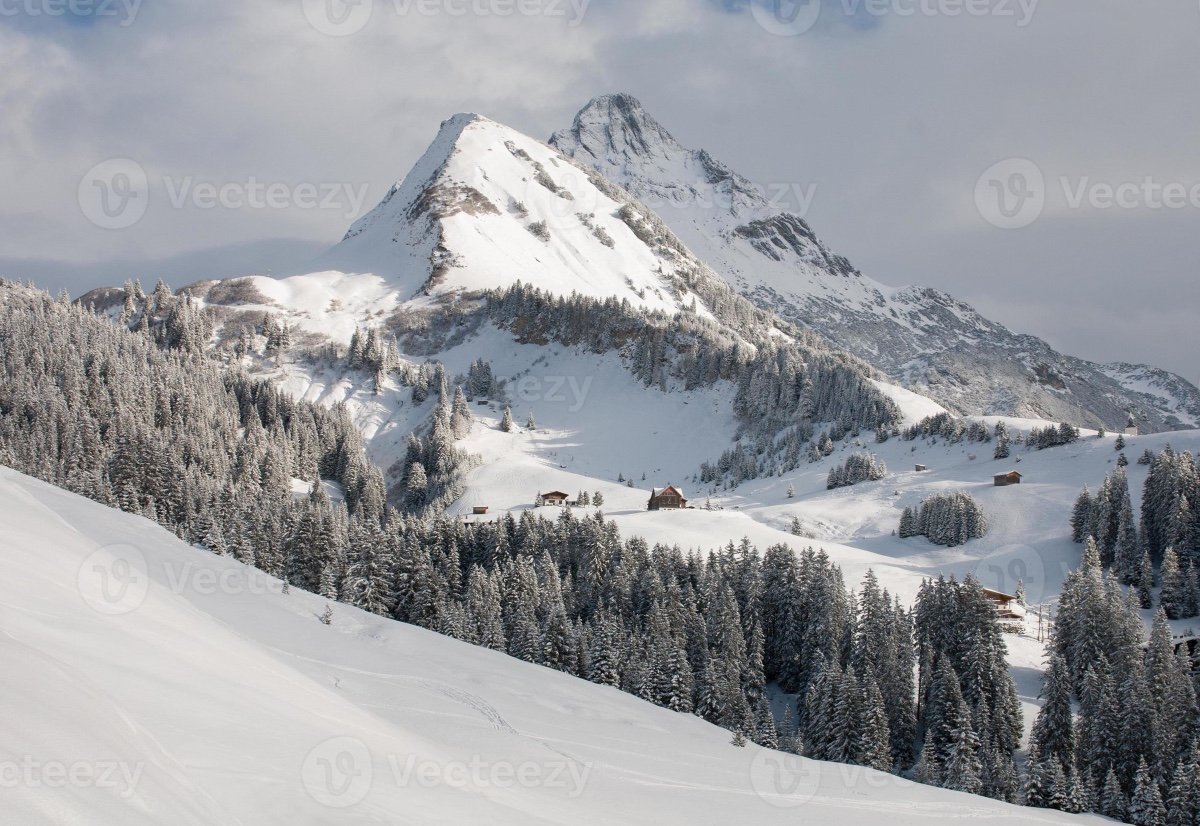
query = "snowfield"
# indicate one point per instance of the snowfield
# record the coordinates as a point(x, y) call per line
point(148, 682)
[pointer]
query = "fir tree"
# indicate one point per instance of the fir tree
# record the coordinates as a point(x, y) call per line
point(1146, 807)
point(1172, 597)
point(1113, 801)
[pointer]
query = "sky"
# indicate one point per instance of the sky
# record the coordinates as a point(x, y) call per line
point(1037, 159)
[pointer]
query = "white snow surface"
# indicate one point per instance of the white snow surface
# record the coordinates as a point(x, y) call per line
point(460, 223)
point(148, 682)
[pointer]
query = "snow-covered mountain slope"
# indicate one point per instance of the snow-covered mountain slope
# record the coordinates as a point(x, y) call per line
point(1028, 541)
point(150, 682)
point(922, 338)
point(484, 208)
point(486, 214)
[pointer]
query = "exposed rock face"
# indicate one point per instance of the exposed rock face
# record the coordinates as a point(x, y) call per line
point(922, 338)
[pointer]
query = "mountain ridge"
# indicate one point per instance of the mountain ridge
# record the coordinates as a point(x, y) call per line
point(920, 337)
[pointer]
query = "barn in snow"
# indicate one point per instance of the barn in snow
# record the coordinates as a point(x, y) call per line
point(669, 498)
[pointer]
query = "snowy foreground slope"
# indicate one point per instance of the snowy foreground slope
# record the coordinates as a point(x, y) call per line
point(148, 682)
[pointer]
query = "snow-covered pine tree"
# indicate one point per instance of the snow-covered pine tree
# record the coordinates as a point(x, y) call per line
point(1146, 807)
point(1172, 597)
point(1053, 731)
point(1002, 450)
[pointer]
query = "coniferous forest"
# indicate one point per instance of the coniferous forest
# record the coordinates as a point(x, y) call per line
point(120, 414)
point(133, 416)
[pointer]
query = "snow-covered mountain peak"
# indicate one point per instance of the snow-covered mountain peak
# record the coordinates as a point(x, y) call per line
point(756, 236)
point(486, 207)
point(617, 126)
point(615, 135)
point(404, 192)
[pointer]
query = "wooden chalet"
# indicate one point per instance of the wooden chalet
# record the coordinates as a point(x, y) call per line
point(479, 510)
point(1007, 607)
point(669, 498)
point(1003, 480)
point(554, 497)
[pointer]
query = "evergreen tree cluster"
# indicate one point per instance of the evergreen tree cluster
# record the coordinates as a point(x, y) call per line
point(430, 472)
point(969, 711)
point(695, 633)
point(167, 319)
point(945, 519)
point(101, 411)
point(858, 467)
point(949, 428)
point(1171, 507)
point(858, 692)
point(482, 382)
point(1131, 751)
point(1053, 436)
point(369, 351)
point(1166, 537)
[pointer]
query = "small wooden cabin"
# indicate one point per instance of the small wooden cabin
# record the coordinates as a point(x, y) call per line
point(1005, 479)
point(1007, 607)
point(479, 510)
point(554, 497)
point(921, 468)
point(669, 498)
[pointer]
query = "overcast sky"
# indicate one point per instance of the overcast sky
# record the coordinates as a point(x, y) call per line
point(896, 111)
